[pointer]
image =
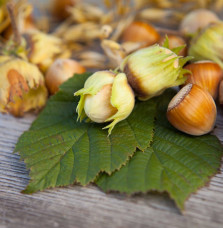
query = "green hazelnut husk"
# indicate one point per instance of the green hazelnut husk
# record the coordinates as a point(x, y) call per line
point(152, 70)
point(106, 97)
point(208, 45)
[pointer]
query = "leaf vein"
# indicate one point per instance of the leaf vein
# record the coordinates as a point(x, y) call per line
point(166, 171)
point(178, 146)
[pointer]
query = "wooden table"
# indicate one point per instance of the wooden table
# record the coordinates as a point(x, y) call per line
point(80, 207)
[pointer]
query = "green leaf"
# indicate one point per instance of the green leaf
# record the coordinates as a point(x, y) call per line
point(59, 151)
point(175, 163)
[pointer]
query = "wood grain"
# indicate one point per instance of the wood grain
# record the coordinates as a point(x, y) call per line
point(79, 207)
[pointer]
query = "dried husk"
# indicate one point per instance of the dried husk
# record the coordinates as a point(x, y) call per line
point(23, 15)
point(43, 49)
point(22, 86)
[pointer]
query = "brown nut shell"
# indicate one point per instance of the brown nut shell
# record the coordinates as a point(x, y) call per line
point(60, 71)
point(141, 32)
point(205, 74)
point(192, 111)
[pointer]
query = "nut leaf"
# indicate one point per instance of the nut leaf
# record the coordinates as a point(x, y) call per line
point(175, 163)
point(59, 151)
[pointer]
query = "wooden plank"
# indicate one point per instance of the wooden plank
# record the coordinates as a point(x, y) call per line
point(79, 207)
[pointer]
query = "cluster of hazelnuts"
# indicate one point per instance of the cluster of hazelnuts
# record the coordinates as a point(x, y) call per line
point(153, 69)
point(109, 96)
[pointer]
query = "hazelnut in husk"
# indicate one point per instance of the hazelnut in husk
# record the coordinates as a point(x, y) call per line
point(152, 70)
point(106, 97)
point(22, 86)
point(208, 45)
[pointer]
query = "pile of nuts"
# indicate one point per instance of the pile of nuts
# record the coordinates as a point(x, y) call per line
point(135, 59)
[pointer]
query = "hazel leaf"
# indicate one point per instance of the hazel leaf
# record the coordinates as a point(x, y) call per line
point(60, 151)
point(175, 163)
